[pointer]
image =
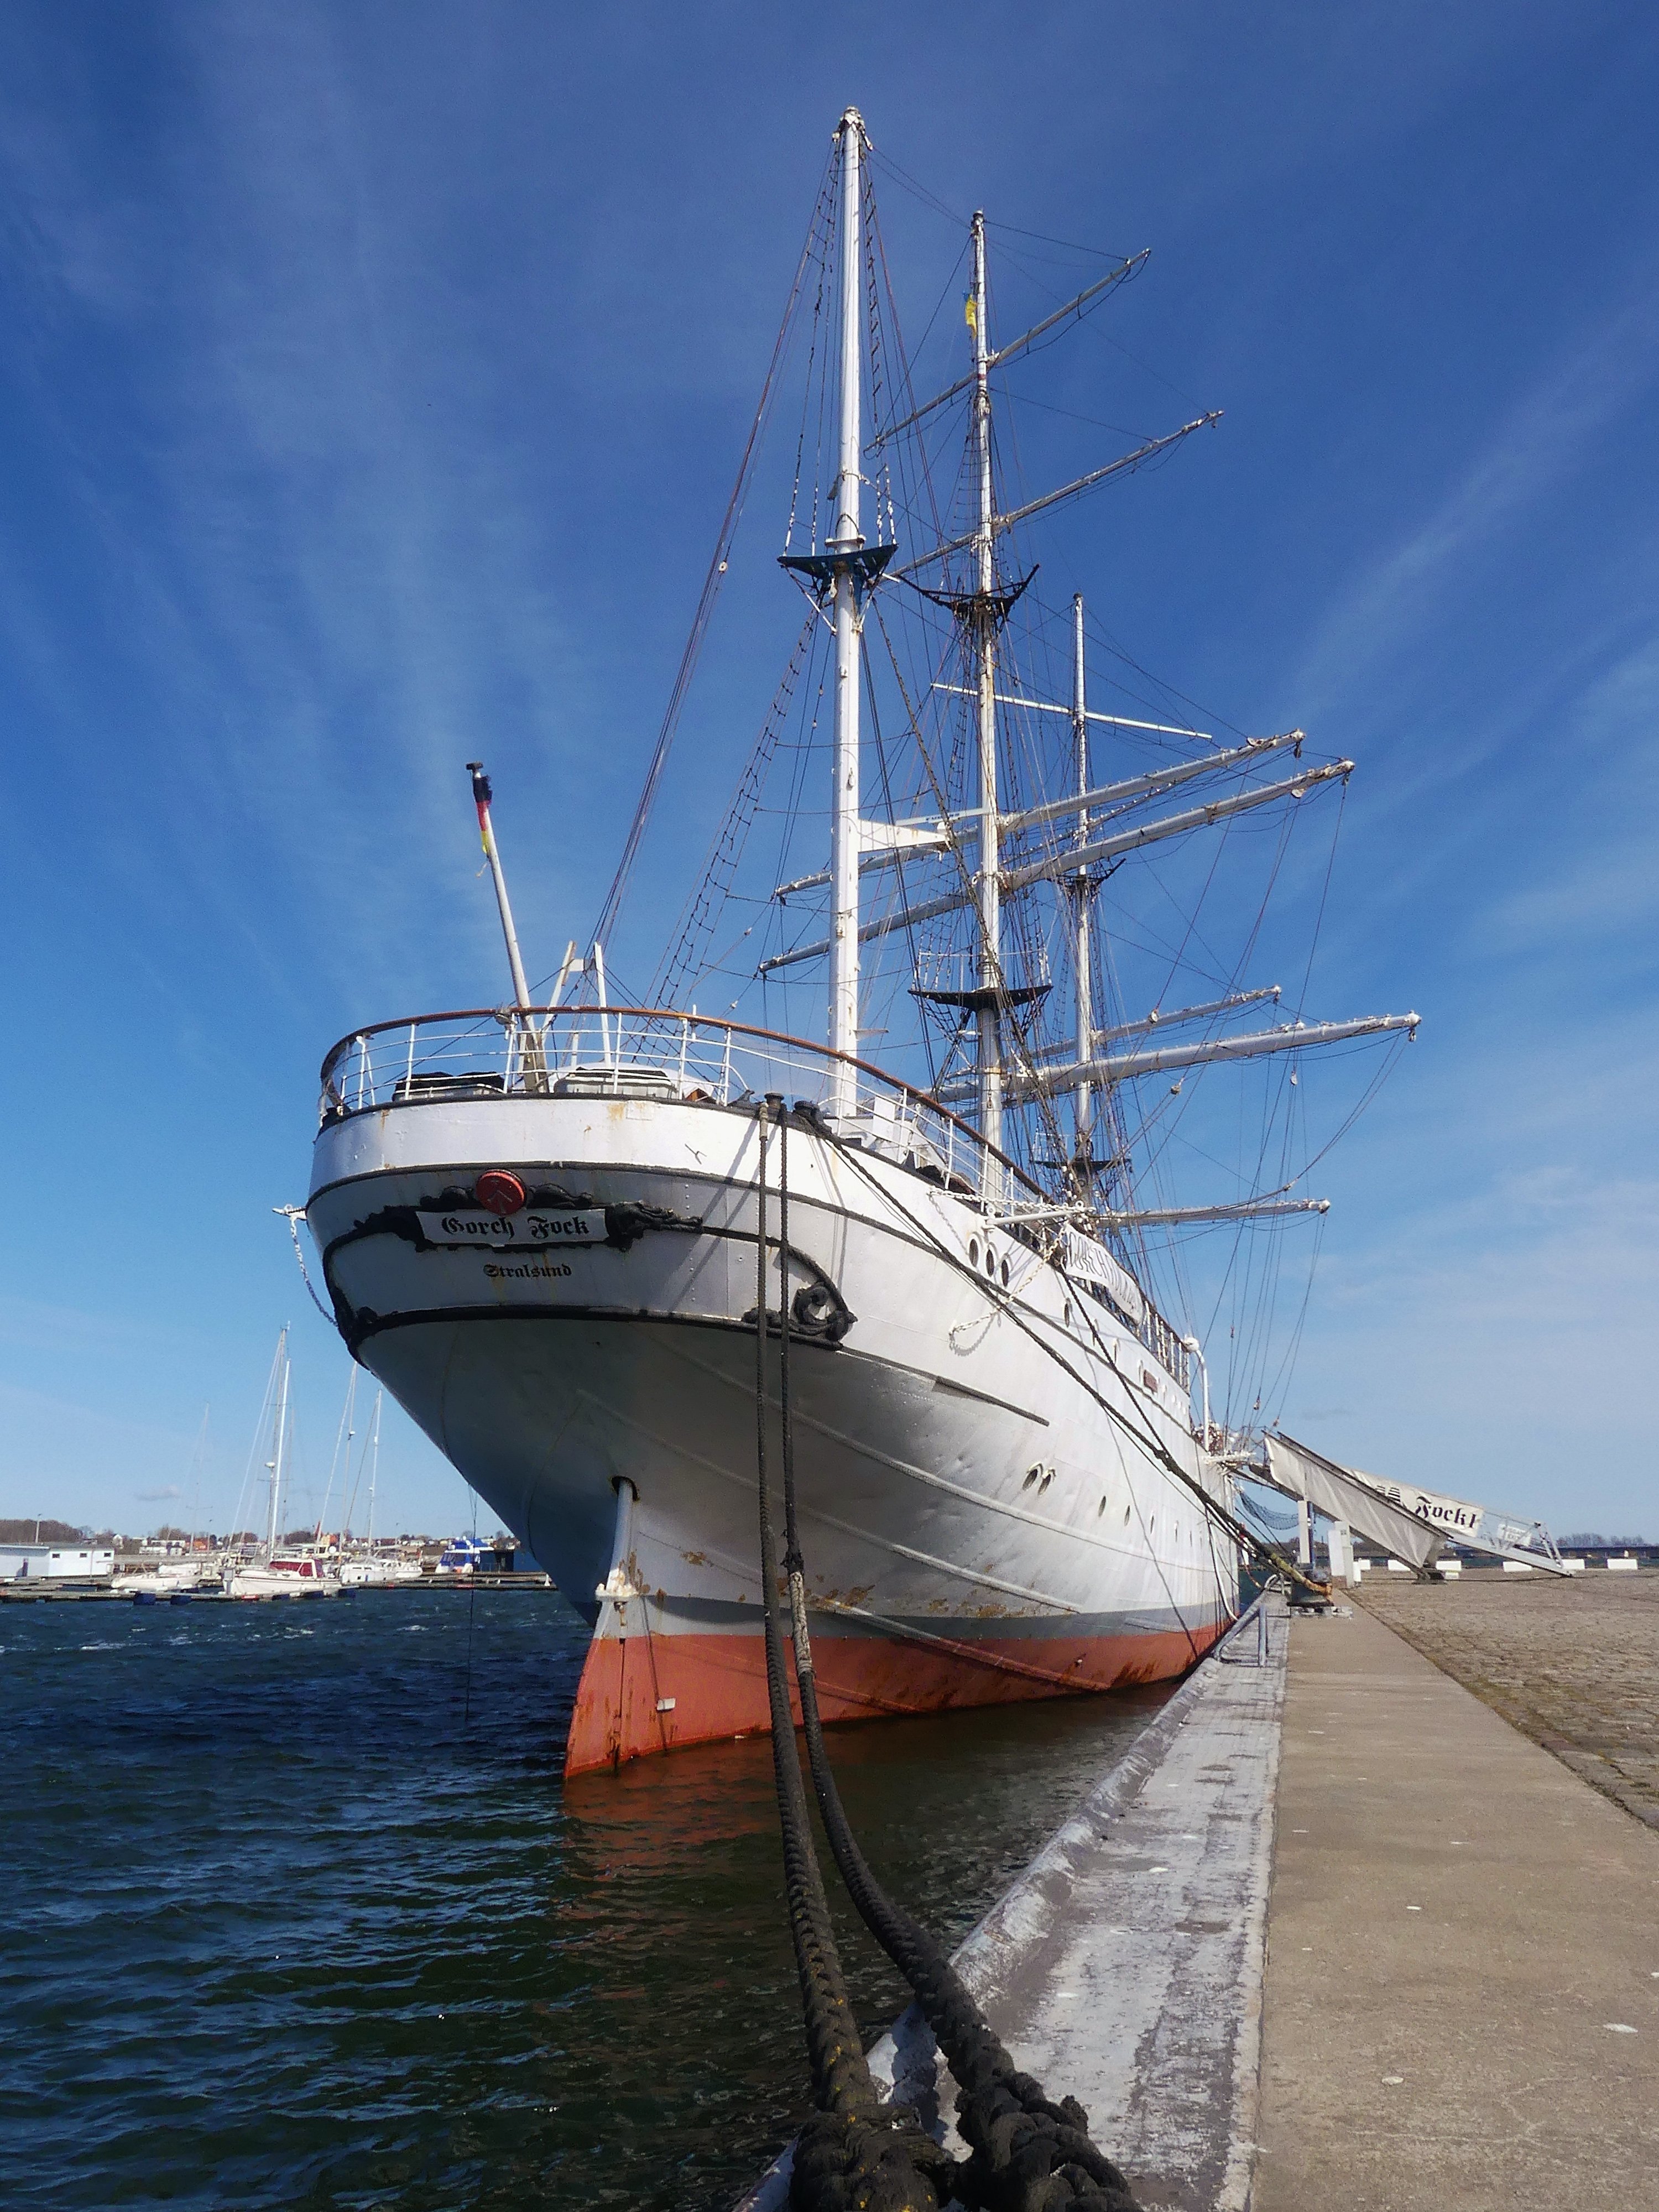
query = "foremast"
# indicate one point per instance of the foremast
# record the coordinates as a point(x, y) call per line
point(845, 542)
point(840, 579)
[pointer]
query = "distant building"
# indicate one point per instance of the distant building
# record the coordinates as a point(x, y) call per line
point(55, 1563)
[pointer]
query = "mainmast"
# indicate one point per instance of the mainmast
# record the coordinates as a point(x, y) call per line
point(1083, 1148)
point(846, 541)
point(983, 633)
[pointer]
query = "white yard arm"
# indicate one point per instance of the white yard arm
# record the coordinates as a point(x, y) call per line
point(1067, 862)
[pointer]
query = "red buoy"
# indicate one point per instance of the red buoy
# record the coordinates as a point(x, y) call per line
point(500, 1192)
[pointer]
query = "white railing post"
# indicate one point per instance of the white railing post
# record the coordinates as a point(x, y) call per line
point(362, 1067)
point(409, 1073)
point(725, 1070)
point(685, 1045)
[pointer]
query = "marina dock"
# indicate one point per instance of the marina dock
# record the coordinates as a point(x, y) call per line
point(1334, 1932)
point(1462, 1985)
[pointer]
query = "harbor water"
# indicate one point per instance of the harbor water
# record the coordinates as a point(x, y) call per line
point(302, 1913)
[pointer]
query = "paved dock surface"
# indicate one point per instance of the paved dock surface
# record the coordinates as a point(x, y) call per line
point(1462, 1985)
point(1574, 1665)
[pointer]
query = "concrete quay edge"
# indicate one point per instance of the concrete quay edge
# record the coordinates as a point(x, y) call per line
point(1125, 1966)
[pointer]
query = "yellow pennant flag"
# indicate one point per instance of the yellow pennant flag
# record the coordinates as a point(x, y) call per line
point(970, 314)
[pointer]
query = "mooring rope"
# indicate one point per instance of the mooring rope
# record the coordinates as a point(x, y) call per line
point(1028, 2154)
point(855, 2155)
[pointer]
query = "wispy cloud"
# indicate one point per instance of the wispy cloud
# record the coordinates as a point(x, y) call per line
point(1539, 441)
point(1594, 878)
point(334, 568)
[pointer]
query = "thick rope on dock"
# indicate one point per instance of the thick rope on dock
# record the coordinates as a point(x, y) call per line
point(855, 2155)
point(1028, 2154)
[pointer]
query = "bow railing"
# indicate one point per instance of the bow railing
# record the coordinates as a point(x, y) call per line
point(653, 1052)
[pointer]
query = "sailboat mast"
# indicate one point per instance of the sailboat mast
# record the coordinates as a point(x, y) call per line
point(374, 1467)
point(1084, 1110)
point(848, 539)
point(279, 1447)
point(983, 633)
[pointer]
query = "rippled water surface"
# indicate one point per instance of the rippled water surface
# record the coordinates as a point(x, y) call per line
point(301, 1912)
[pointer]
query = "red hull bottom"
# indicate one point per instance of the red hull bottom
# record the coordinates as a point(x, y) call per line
point(643, 1694)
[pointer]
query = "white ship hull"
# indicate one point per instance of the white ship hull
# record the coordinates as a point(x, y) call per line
point(976, 1526)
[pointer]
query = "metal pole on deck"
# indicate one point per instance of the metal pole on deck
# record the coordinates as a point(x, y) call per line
point(482, 797)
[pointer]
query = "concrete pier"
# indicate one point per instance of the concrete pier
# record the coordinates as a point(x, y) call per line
point(1462, 1986)
point(1124, 1966)
point(1334, 1933)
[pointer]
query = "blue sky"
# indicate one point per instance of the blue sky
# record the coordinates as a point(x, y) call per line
point(373, 382)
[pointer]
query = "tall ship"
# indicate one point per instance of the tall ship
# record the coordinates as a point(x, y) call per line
point(553, 1229)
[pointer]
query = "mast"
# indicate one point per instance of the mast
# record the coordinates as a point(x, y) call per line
point(1084, 1011)
point(983, 634)
point(280, 1445)
point(848, 540)
point(374, 1467)
point(340, 1462)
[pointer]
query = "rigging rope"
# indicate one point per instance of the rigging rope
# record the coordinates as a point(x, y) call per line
point(711, 583)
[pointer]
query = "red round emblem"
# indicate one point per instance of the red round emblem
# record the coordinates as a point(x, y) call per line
point(499, 1191)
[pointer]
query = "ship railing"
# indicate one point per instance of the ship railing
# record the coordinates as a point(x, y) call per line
point(653, 1052)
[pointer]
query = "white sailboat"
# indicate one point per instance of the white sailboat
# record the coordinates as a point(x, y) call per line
point(553, 1231)
point(279, 1572)
point(367, 1568)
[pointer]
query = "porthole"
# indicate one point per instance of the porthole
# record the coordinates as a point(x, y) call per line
point(1126, 1516)
point(990, 1263)
point(1068, 1324)
point(973, 1251)
point(1102, 1507)
point(1004, 1274)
